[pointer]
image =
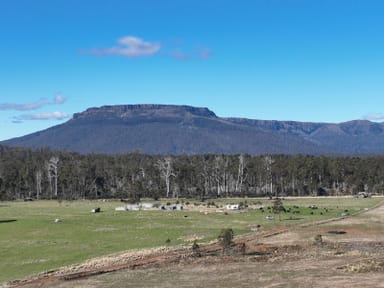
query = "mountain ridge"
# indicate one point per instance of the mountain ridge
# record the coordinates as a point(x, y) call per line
point(182, 129)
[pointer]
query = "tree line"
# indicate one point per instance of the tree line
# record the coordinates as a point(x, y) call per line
point(46, 174)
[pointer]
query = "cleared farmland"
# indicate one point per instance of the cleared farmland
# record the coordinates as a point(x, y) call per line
point(31, 241)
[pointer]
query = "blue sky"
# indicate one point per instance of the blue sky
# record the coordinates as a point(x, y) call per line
point(317, 61)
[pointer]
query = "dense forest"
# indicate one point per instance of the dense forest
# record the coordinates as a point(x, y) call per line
point(46, 174)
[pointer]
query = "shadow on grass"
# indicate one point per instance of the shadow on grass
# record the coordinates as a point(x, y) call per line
point(8, 221)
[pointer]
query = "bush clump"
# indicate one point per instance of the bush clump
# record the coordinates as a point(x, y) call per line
point(225, 239)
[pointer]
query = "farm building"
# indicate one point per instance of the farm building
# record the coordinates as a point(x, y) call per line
point(135, 207)
point(232, 207)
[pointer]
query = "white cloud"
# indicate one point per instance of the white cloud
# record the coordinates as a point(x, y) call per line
point(374, 116)
point(42, 116)
point(129, 46)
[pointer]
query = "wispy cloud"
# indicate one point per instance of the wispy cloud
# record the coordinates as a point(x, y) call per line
point(374, 116)
point(134, 47)
point(128, 46)
point(197, 53)
point(41, 116)
point(16, 121)
point(179, 55)
point(58, 99)
point(205, 53)
point(24, 107)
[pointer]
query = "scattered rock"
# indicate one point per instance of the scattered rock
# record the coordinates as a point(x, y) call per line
point(337, 232)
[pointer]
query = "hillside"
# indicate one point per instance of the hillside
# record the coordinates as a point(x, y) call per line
point(172, 129)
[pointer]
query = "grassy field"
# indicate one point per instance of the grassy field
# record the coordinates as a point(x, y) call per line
point(31, 242)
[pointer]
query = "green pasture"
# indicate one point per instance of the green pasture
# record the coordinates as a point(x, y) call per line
point(31, 242)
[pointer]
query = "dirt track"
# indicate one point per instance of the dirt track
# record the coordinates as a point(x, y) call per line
point(352, 258)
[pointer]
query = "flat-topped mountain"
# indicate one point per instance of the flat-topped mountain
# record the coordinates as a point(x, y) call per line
point(173, 129)
point(143, 110)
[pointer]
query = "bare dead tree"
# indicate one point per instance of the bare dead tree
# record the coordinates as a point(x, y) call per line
point(221, 175)
point(38, 183)
point(268, 161)
point(240, 174)
point(53, 174)
point(166, 172)
point(205, 174)
point(49, 175)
